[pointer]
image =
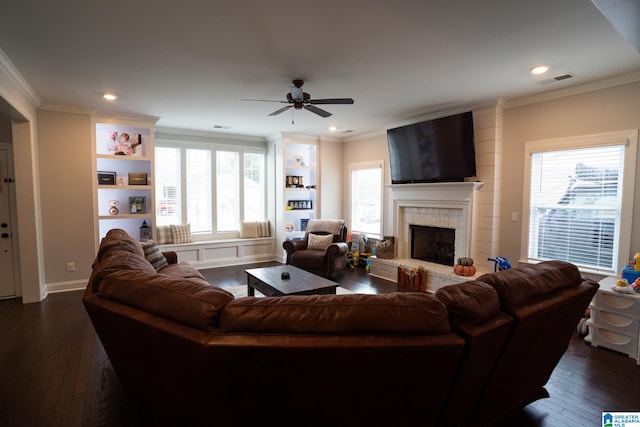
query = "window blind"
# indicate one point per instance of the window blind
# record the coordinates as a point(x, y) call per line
point(575, 205)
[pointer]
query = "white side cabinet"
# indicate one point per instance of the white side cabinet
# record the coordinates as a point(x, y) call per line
point(615, 320)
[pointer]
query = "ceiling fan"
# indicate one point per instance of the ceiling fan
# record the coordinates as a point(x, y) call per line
point(299, 99)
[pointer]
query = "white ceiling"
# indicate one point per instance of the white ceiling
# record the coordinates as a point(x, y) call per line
point(191, 62)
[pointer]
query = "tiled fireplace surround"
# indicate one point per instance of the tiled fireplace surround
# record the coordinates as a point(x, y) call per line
point(471, 208)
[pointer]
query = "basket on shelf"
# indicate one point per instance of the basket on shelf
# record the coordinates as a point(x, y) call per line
point(385, 249)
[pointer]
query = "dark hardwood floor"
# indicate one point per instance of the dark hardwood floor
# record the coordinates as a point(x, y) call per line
point(54, 371)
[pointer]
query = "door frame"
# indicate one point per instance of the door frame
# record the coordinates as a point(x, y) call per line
point(13, 216)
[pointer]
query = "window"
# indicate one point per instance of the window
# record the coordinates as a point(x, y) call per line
point(254, 184)
point(198, 189)
point(366, 198)
point(227, 190)
point(578, 200)
point(210, 187)
point(168, 185)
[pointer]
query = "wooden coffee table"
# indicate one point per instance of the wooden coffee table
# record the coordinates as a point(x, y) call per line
point(269, 281)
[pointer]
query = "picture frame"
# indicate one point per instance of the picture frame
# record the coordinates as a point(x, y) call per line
point(294, 181)
point(300, 204)
point(138, 178)
point(136, 204)
point(303, 224)
point(106, 178)
point(115, 140)
point(298, 160)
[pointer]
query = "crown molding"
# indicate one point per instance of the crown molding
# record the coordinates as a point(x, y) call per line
point(622, 79)
point(177, 132)
point(7, 67)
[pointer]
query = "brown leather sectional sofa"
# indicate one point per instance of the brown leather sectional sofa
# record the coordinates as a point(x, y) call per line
point(188, 353)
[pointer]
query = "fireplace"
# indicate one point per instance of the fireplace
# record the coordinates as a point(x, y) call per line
point(433, 244)
point(447, 212)
point(448, 206)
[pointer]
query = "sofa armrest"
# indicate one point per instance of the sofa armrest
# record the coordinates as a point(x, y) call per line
point(294, 245)
point(336, 249)
point(171, 256)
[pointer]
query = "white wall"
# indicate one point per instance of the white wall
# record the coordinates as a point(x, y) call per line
point(372, 148)
point(66, 183)
point(331, 185)
point(605, 110)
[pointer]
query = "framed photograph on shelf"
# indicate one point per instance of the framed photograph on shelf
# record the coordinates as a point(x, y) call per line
point(294, 181)
point(303, 224)
point(299, 204)
point(121, 140)
point(106, 178)
point(136, 204)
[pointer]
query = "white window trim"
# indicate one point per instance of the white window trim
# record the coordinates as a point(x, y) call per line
point(627, 137)
point(373, 164)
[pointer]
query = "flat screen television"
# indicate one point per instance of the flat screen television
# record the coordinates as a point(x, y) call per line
point(439, 150)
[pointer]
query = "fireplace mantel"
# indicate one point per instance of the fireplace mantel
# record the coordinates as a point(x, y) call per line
point(448, 204)
point(440, 190)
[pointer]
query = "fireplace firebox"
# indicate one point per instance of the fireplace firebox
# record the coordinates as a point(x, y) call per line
point(433, 244)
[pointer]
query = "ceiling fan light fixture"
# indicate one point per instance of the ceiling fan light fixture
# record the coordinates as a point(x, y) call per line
point(539, 69)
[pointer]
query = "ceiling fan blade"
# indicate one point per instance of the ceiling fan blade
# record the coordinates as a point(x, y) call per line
point(275, 113)
point(265, 100)
point(317, 110)
point(332, 101)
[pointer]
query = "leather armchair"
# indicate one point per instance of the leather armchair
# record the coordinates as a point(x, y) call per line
point(327, 263)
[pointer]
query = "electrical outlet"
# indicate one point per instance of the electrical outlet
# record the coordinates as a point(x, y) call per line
point(71, 267)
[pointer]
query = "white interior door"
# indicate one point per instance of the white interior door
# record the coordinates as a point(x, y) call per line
point(7, 279)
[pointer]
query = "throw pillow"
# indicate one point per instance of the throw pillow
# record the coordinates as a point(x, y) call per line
point(153, 255)
point(181, 233)
point(248, 229)
point(263, 229)
point(318, 241)
point(164, 235)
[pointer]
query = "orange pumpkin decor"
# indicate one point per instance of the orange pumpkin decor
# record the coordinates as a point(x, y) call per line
point(464, 267)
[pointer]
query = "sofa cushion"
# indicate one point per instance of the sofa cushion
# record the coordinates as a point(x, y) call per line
point(396, 313)
point(470, 301)
point(528, 282)
point(118, 261)
point(187, 301)
point(319, 242)
point(182, 270)
point(116, 241)
point(153, 255)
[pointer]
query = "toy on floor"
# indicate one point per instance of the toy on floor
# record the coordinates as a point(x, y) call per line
point(501, 263)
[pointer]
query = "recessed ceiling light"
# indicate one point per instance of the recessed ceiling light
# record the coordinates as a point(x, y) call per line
point(539, 69)
point(332, 128)
point(109, 97)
